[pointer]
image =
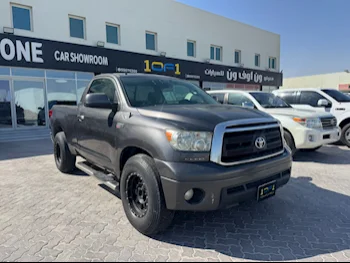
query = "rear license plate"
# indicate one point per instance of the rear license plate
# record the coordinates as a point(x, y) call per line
point(266, 190)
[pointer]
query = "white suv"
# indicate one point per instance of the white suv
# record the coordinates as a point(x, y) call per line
point(322, 100)
point(306, 130)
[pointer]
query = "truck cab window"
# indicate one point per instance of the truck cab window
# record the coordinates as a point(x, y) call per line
point(105, 86)
point(311, 98)
point(220, 97)
point(238, 99)
point(289, 97)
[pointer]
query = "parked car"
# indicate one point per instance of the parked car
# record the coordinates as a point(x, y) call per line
point(322, 100)
point(303, 129)
point(166, 145)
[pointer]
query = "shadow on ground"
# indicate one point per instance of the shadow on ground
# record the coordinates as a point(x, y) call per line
point(25, 149)
point(326, 155)
point(302, 221)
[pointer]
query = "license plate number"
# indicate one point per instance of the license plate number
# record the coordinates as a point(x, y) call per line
point(266, 190)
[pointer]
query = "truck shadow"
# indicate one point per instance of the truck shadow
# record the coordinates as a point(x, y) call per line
point(302, 221)
point(327, 155)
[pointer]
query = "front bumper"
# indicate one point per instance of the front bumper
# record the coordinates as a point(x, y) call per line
point(222, 186)
point(312, 138)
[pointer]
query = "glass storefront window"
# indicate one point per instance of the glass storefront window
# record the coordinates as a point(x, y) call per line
point(85, 76)
point(82, 84)
point(5, 104)
point(30, 103)
point(61, 90)
point(38, 73)
point(60, 74)
point(4, 71)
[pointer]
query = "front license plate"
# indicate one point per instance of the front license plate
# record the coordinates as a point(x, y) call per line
point(266, 190)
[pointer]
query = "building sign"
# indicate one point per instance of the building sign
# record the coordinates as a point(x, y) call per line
point(17, 51)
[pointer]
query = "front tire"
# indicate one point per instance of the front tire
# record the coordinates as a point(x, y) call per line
point(290, 142)
point(345, 135)
point(142, 196)
point(65, 160)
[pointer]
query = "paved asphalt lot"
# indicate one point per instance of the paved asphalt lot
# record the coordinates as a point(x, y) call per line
point(47, 216)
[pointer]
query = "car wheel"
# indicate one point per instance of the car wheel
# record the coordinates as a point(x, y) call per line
point(142, 196)
point(65, 160)
point(290, 142)
point(345, 135)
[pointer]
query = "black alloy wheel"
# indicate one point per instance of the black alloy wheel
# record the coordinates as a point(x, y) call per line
point(137, 195)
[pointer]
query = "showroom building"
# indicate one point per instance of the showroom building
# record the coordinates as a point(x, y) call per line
point(50, 50)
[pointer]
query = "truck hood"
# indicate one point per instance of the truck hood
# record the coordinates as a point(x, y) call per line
point(301, 113)
point(200, 117)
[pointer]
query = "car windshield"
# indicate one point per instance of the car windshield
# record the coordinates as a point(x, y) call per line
point(269, 100)
point(149, 91)
point(337, 95)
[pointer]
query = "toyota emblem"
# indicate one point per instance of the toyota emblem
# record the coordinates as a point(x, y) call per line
point(260, 143)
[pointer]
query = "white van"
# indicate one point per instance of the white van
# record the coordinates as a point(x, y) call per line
point(322, 100)
point(303, 129)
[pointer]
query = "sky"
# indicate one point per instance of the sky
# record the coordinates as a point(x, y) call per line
point(315, 34)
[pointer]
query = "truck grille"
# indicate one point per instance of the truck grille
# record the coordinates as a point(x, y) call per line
point(241, 145)
point(329, 123)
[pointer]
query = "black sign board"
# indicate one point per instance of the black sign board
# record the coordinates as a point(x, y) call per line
point(18, 51)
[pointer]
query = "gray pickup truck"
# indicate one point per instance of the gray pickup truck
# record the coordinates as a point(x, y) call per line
point(165, 145)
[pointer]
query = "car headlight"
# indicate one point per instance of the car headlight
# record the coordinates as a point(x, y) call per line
point(190, 141)
point(312, 123)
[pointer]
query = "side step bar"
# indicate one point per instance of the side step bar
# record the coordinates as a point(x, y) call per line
point(106, 179)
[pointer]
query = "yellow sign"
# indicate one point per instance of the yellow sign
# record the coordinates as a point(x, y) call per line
point(157, 66)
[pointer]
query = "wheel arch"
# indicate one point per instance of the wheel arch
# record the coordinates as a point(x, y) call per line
point(344, 122)
point(129, 152)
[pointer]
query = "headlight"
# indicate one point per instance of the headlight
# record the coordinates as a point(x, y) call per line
point(190, 141)
point(312, 123)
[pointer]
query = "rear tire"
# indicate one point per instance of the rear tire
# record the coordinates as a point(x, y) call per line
point(345, 135)
point(290, 142)
point(142, 196)
point(65, 160)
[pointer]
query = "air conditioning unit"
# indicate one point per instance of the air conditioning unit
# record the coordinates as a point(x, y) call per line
point(207, 60)
point(162, 54)
point(241, 65)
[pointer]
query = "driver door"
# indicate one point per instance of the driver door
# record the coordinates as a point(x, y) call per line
point(97, 132)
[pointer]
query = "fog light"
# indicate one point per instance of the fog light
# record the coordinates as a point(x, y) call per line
point(311, 138)
point(189, 194)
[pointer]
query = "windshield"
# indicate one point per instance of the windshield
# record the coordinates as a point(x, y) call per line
point(337, 95)
point(269, 100)
point(148, 91)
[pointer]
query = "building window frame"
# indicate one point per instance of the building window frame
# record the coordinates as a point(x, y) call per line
point(239, 52)
point(272, 62)
point(118, 33)
point(155, 40)
point(29, 8)
point(194, 48)
point(257, 60)
point(84, 25)
point(216, 48)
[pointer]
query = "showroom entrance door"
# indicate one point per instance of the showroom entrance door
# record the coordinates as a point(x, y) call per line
point(6, 106)
point(30, 103)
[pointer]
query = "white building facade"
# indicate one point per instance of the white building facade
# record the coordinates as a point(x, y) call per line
point(337, 80)
point(50, 50)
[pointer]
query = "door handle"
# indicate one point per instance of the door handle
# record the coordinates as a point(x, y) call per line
point(81, 117)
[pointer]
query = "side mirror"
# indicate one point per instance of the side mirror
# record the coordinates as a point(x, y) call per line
point(249, 105)
point(322, 103)
point(99, 100)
